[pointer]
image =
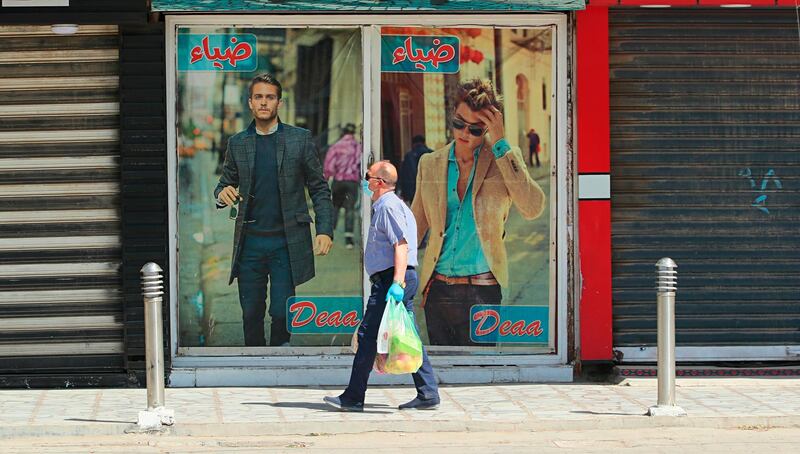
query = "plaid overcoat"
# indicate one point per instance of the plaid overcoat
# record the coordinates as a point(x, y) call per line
point(298, 168)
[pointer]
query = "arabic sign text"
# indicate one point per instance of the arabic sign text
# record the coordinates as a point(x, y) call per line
point(419, 54)
point(220, 52)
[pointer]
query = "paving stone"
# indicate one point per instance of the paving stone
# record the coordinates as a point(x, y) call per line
point(522, 405)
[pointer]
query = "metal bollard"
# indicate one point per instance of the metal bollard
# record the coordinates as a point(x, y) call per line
point(152, 290)
point(667, 286)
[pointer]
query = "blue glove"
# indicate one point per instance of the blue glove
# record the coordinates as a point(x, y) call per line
point(396, 291)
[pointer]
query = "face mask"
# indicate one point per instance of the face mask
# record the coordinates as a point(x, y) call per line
point(366, 189)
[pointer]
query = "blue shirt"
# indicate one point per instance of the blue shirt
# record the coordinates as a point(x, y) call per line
point(391, 222)
point(462, 253)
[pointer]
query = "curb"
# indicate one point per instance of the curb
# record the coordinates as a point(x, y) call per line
point(431, 426)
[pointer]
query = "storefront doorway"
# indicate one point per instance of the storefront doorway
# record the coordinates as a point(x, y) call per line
point(343, 79)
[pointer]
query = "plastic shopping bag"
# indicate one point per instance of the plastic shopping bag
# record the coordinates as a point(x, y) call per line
point(383, 329)
point(379, 365)
point(383, 342)
point(403, 347)
point(380, 358)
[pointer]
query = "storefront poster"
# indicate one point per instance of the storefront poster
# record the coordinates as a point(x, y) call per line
point(320, 74)
point(486, 218)
point(320, 71)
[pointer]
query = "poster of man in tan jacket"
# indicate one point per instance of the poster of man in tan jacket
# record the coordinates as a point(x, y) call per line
point(465, 191)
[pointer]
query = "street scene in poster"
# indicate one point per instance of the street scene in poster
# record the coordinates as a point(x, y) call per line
point(484, 215)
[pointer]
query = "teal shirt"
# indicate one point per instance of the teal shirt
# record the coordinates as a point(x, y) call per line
point(462, 253)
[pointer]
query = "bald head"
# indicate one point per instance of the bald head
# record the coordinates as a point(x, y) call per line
point(385, 171)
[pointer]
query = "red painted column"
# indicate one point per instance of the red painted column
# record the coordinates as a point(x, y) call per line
point(594, 201)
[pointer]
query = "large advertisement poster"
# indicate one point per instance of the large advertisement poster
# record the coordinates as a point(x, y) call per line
point(466, 115)
point(269, 124)
point(269, 168)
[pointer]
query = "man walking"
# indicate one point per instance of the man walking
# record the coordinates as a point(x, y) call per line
point(343, 165)
point(390, 259)
point(534, 147)
point(267, 168)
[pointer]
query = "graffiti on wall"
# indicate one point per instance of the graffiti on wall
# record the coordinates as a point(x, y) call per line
point(760, 201)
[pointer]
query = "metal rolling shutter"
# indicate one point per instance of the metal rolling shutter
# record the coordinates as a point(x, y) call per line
point(144, 199)
point(705, 127)
point(60, 302)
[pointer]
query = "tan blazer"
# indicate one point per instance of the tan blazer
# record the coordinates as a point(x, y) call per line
point(497, 184)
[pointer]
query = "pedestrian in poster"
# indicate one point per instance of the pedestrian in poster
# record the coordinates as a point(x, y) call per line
point(267, 169)
point(408, 171)
point(465, 191)
point(343, 165)
point(534, 147)
point(390, 259)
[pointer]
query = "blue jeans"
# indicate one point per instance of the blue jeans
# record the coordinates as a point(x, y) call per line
point(263, 257)
point(424, 379)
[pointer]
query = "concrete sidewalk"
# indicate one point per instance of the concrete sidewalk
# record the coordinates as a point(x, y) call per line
point(709, 402)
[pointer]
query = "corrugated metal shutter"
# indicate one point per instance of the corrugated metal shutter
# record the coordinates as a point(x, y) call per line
point(60, 301)
point(705, 168)
point(144, 203)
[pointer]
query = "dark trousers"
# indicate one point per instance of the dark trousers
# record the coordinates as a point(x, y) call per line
point(424, 379)
point(535, 156)
point(447, 310)
point(344, 194)
point(262, 258)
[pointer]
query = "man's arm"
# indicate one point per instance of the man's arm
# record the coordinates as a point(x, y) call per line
point(417, 206)
point(398, 287)
point(526, 195)
point(228, 179)
point(400, 261)
point(392, 224)
point(320, 194)
point(317, 188)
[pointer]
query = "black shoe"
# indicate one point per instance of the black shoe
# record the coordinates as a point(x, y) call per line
point(421, 404)
point(337, 403)
point(278, 335)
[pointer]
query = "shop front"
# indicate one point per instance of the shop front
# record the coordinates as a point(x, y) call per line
point(691, 145)
point(368, 87)
point(70, 308)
